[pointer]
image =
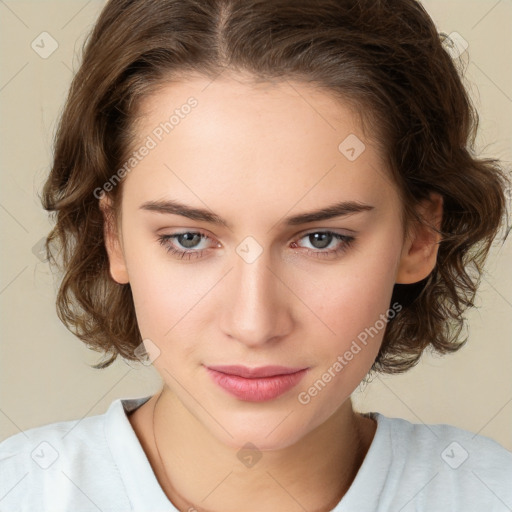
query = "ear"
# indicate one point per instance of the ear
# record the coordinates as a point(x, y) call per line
point(113, 242)
point(419, 253)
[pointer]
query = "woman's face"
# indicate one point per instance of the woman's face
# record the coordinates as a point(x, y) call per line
point(263, 283)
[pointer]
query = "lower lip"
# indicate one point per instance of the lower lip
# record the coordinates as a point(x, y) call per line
point(256, 390)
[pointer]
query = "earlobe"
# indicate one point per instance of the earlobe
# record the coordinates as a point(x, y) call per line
point(113, 244)
point(419, 254)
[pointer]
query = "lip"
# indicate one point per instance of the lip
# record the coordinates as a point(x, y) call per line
point(256, 384)
point(252, 373)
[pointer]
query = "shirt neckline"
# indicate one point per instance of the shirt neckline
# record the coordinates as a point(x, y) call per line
point(370, 479)
point(142, 487)
point(144, 490)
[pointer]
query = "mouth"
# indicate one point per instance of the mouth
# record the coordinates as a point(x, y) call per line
point(256, 384)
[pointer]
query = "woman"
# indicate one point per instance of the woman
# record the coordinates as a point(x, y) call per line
point(271, 200)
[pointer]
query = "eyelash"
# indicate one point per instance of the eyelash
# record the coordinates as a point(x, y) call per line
point(189, 254)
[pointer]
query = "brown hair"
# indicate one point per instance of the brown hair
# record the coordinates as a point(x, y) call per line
point(384, 56)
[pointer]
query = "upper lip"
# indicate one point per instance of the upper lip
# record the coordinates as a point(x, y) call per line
point(253, 373)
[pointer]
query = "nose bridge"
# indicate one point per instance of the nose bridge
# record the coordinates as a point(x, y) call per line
point(255, 312)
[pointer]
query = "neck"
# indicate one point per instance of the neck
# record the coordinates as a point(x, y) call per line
point(195, 470)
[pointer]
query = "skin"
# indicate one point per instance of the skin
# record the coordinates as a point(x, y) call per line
point(255, 154)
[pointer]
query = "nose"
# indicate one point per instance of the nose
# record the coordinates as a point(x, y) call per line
point(257, 306)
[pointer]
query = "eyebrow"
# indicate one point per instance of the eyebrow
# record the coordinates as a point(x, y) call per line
point(173, 207)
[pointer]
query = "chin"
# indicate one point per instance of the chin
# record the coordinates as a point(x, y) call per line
point(268, 432)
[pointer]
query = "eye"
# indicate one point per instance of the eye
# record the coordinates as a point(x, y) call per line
point(190, 242)
point(323, 239)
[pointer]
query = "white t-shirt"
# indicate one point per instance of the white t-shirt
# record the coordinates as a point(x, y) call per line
point(98, 464)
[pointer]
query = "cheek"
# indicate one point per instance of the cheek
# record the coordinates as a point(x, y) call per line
point(352, 296)
point(163, 292)
point(164, 307)
point(353, 305)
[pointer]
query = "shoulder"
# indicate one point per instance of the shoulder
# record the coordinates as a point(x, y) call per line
point(453, 445)
point(467, 470)
point(57, 432)
point(43, 445)
point(55, 462)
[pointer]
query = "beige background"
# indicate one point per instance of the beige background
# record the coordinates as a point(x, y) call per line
point(44, 370)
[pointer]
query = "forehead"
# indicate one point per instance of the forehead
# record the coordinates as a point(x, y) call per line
point(231, 140)
point(295, 110)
